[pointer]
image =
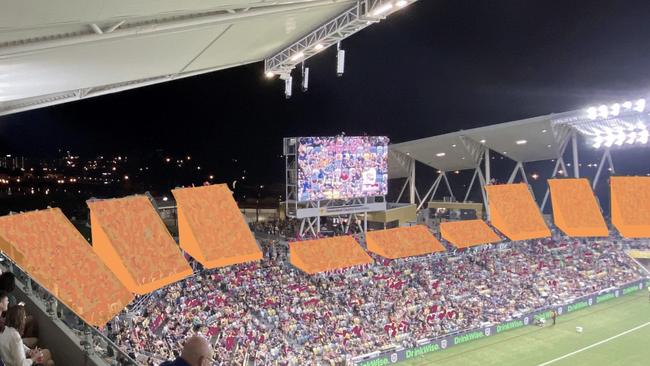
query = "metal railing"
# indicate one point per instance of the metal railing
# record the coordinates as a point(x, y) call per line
point(91, 339)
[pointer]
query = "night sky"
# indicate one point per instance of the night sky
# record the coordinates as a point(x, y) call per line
point(432, 68)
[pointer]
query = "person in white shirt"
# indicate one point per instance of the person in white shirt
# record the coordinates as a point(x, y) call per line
point(12, 350)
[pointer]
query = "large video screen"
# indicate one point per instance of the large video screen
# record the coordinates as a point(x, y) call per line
point(342, 167)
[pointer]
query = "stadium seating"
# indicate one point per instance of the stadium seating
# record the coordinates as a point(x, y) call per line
point(403, 242)
point(513, 211)
point(468, 233)
point(130, 237)
point(575, 209)
point(630, 198)
point(211, 227)
point(321, 255)
point(49, 248)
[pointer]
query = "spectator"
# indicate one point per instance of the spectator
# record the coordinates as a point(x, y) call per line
point(12, 350)
point(196, 352)
point(8, 284)
point(267, 311)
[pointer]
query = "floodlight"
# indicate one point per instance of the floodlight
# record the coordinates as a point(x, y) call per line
point(297, 56)
point(627, 105)
point(639, 106)
point(603, 111)
point(521, 142)
point(592, 112)
point(598, 141)
point(382, 9)
point(305, 79)
point(340, 62)
point(319, 47)
point(642, 137)
point(615, 109)
point(269, 74)
point(440, 154)
point(401, 3)
point(620, 138)
point(288, 86)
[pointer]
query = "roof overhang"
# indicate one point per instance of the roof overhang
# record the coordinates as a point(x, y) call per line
point(528, 140)
point(53, 52)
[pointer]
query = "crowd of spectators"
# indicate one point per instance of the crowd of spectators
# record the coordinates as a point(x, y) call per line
point(268, 312)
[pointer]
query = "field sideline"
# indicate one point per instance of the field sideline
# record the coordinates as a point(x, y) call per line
point(615, 333)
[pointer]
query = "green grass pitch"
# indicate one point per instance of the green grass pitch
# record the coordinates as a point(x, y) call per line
point(534, 346)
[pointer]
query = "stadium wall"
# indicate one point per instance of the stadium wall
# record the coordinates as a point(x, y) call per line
point(442, 343)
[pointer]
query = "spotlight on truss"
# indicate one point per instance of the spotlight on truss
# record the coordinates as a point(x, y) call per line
point(340, 60)
point(288, 86)
point(305, 78)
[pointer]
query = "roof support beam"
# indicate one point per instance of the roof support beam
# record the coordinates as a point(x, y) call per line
point(358, 17)
point(195, 21)
point(432, 190)
point(412, 189)
point(576, 166)
point(471, 184)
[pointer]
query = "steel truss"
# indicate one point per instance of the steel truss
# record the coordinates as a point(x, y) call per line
point(358, 17)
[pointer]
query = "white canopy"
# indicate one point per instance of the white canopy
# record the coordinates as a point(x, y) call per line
point(57, 51)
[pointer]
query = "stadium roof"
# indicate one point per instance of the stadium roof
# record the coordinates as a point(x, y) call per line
point(526, 140)
point(53, 52)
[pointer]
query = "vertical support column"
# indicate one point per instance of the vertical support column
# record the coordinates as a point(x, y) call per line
point(576, 166)
point(318, 220)
point(412, 182)
point(406, 183)
point(471, 184)
point(600, 168)
point(487, 166)
point(514, 173)
point(482, 182)
point(611, 163)
point(432, 191)
point(444, 176)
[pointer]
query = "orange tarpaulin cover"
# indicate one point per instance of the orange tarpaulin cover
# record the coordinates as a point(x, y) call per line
point(131, 238)
point(314, 256)
point(212, 229)
point(513, 211)
point(630, 197)
point(575, 209)
point(468, 233)
point(49, 248)
point(403, 242)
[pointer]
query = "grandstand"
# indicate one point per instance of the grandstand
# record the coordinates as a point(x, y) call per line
point(51, 250)
point(468, 233)
point(377, 298)
point(514, 212)
point(403, 242)
point(630, 199)
point(131, 239)
point(211, 228)
point(323, 255)
point(575, 210)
